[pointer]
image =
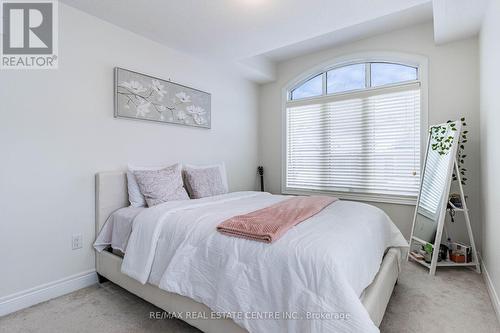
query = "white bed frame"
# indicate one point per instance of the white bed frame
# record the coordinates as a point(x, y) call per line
point(111, 194)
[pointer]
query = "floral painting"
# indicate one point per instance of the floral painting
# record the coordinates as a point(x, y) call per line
point(140, 96)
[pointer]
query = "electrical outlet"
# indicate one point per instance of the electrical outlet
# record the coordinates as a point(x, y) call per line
point(76, 242)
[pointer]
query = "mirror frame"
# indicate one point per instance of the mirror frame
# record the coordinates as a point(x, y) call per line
point(445, 199)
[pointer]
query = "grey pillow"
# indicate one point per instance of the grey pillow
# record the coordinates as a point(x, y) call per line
point(204, 182)
point(160, 186)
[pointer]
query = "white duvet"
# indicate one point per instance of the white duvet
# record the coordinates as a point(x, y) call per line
point(318, 269)
point(117, 229)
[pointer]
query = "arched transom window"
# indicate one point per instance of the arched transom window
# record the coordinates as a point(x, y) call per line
point(355, 129)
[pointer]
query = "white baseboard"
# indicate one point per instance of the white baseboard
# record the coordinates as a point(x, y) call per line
point(45, 292)
point(491, 290)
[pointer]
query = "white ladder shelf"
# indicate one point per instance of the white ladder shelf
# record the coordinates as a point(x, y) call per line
point(435, 253)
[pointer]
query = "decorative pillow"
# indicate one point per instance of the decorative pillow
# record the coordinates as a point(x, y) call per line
point(135, 196)
point(205, 181)
point(160, 186)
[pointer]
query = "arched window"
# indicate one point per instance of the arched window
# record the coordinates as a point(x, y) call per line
point(354, 77)
point(354, 130)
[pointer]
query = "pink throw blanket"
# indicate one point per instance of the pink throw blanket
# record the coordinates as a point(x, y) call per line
point(270, 223)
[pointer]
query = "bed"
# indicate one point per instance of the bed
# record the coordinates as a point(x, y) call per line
point(111, 195)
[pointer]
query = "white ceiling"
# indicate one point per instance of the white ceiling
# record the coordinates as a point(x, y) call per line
point(255, 34)
point(457, 19)
point(397, 20)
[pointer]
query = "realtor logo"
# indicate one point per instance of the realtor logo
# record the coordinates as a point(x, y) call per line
point(29, 34)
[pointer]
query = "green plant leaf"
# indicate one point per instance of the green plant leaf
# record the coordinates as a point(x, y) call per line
point(428, 248)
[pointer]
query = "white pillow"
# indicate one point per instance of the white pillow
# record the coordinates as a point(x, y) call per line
point(198, 186)
point(159, 186)
point(135, 196)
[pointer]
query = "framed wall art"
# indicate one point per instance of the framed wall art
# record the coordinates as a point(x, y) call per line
point(144, 97)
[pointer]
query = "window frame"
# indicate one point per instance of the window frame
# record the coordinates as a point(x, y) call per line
point(368, 83)
point(323, 88)
point(416, 61)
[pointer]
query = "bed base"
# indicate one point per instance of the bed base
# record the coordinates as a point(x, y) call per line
point(101, 279)
point(111, 194)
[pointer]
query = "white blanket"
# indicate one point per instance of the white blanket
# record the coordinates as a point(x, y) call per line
point(117, 229)
point(318, 269)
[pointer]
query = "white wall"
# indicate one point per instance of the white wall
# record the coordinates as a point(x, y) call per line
point(453, 91)
point(57, 130)
point(490, 140)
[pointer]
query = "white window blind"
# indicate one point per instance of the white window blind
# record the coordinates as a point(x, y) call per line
point(362, 142)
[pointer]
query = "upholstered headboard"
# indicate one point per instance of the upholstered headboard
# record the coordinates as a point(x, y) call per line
point(110, 194)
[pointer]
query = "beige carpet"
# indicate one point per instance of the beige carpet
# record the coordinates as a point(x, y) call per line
point(455, 300)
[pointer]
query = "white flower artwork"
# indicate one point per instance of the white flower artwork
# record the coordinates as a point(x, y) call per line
point(140, 96)
point(143, 109)
point(183, 97)
point(158, 88)
point(197, 113)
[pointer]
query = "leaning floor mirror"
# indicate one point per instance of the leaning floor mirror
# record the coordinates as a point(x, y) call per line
point(440, 166)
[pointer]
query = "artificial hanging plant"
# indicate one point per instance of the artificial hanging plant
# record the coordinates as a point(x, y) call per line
point(442, 142)
point(462, 140)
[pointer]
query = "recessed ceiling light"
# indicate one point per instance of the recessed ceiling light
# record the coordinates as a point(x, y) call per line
point(252, 2)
